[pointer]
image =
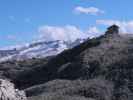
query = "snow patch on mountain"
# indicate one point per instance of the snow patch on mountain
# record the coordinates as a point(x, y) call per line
point(37, 50)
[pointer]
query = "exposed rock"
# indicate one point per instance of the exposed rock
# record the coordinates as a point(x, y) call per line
point(114, 29)
point(8, 91)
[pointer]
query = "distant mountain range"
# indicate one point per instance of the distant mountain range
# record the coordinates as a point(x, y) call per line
point(37, 50)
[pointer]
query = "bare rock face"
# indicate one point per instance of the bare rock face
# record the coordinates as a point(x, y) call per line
point(8, 91)
point(114, 29)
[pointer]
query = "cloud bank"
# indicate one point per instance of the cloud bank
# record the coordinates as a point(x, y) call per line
point(93, 32)
point(89, 10)
point(67, 33)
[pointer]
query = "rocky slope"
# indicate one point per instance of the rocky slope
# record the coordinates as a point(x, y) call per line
point(97, 69)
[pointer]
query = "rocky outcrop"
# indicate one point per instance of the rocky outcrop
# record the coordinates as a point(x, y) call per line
point(114, 29)
point(8, 91)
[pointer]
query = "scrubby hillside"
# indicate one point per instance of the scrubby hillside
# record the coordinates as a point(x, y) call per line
point(98, 69)
point(96, 89)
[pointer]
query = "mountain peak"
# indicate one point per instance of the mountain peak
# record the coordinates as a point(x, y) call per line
point(39, 49)
point(114, 29)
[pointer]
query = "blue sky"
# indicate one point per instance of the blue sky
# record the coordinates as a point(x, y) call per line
point(22, 21)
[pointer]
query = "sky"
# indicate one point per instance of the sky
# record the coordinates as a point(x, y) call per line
point(24, 21)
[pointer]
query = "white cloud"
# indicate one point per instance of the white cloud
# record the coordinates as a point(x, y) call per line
point(125, 26)
point(93, 32)
point(108, 22)
point(89, 10)
point(66, 33)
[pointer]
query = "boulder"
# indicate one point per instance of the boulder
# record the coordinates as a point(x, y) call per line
point(8, 91)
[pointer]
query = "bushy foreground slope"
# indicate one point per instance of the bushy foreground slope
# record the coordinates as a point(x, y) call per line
point(96, 89)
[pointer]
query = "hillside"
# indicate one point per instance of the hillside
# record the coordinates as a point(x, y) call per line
point(97, 69)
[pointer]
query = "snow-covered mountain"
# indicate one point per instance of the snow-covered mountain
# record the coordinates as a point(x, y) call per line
point(37, 50)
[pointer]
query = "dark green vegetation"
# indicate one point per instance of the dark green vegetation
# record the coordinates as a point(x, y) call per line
point(98, 69)
point(95, 89)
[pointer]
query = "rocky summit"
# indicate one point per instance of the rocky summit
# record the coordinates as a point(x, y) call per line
point(98, 69)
